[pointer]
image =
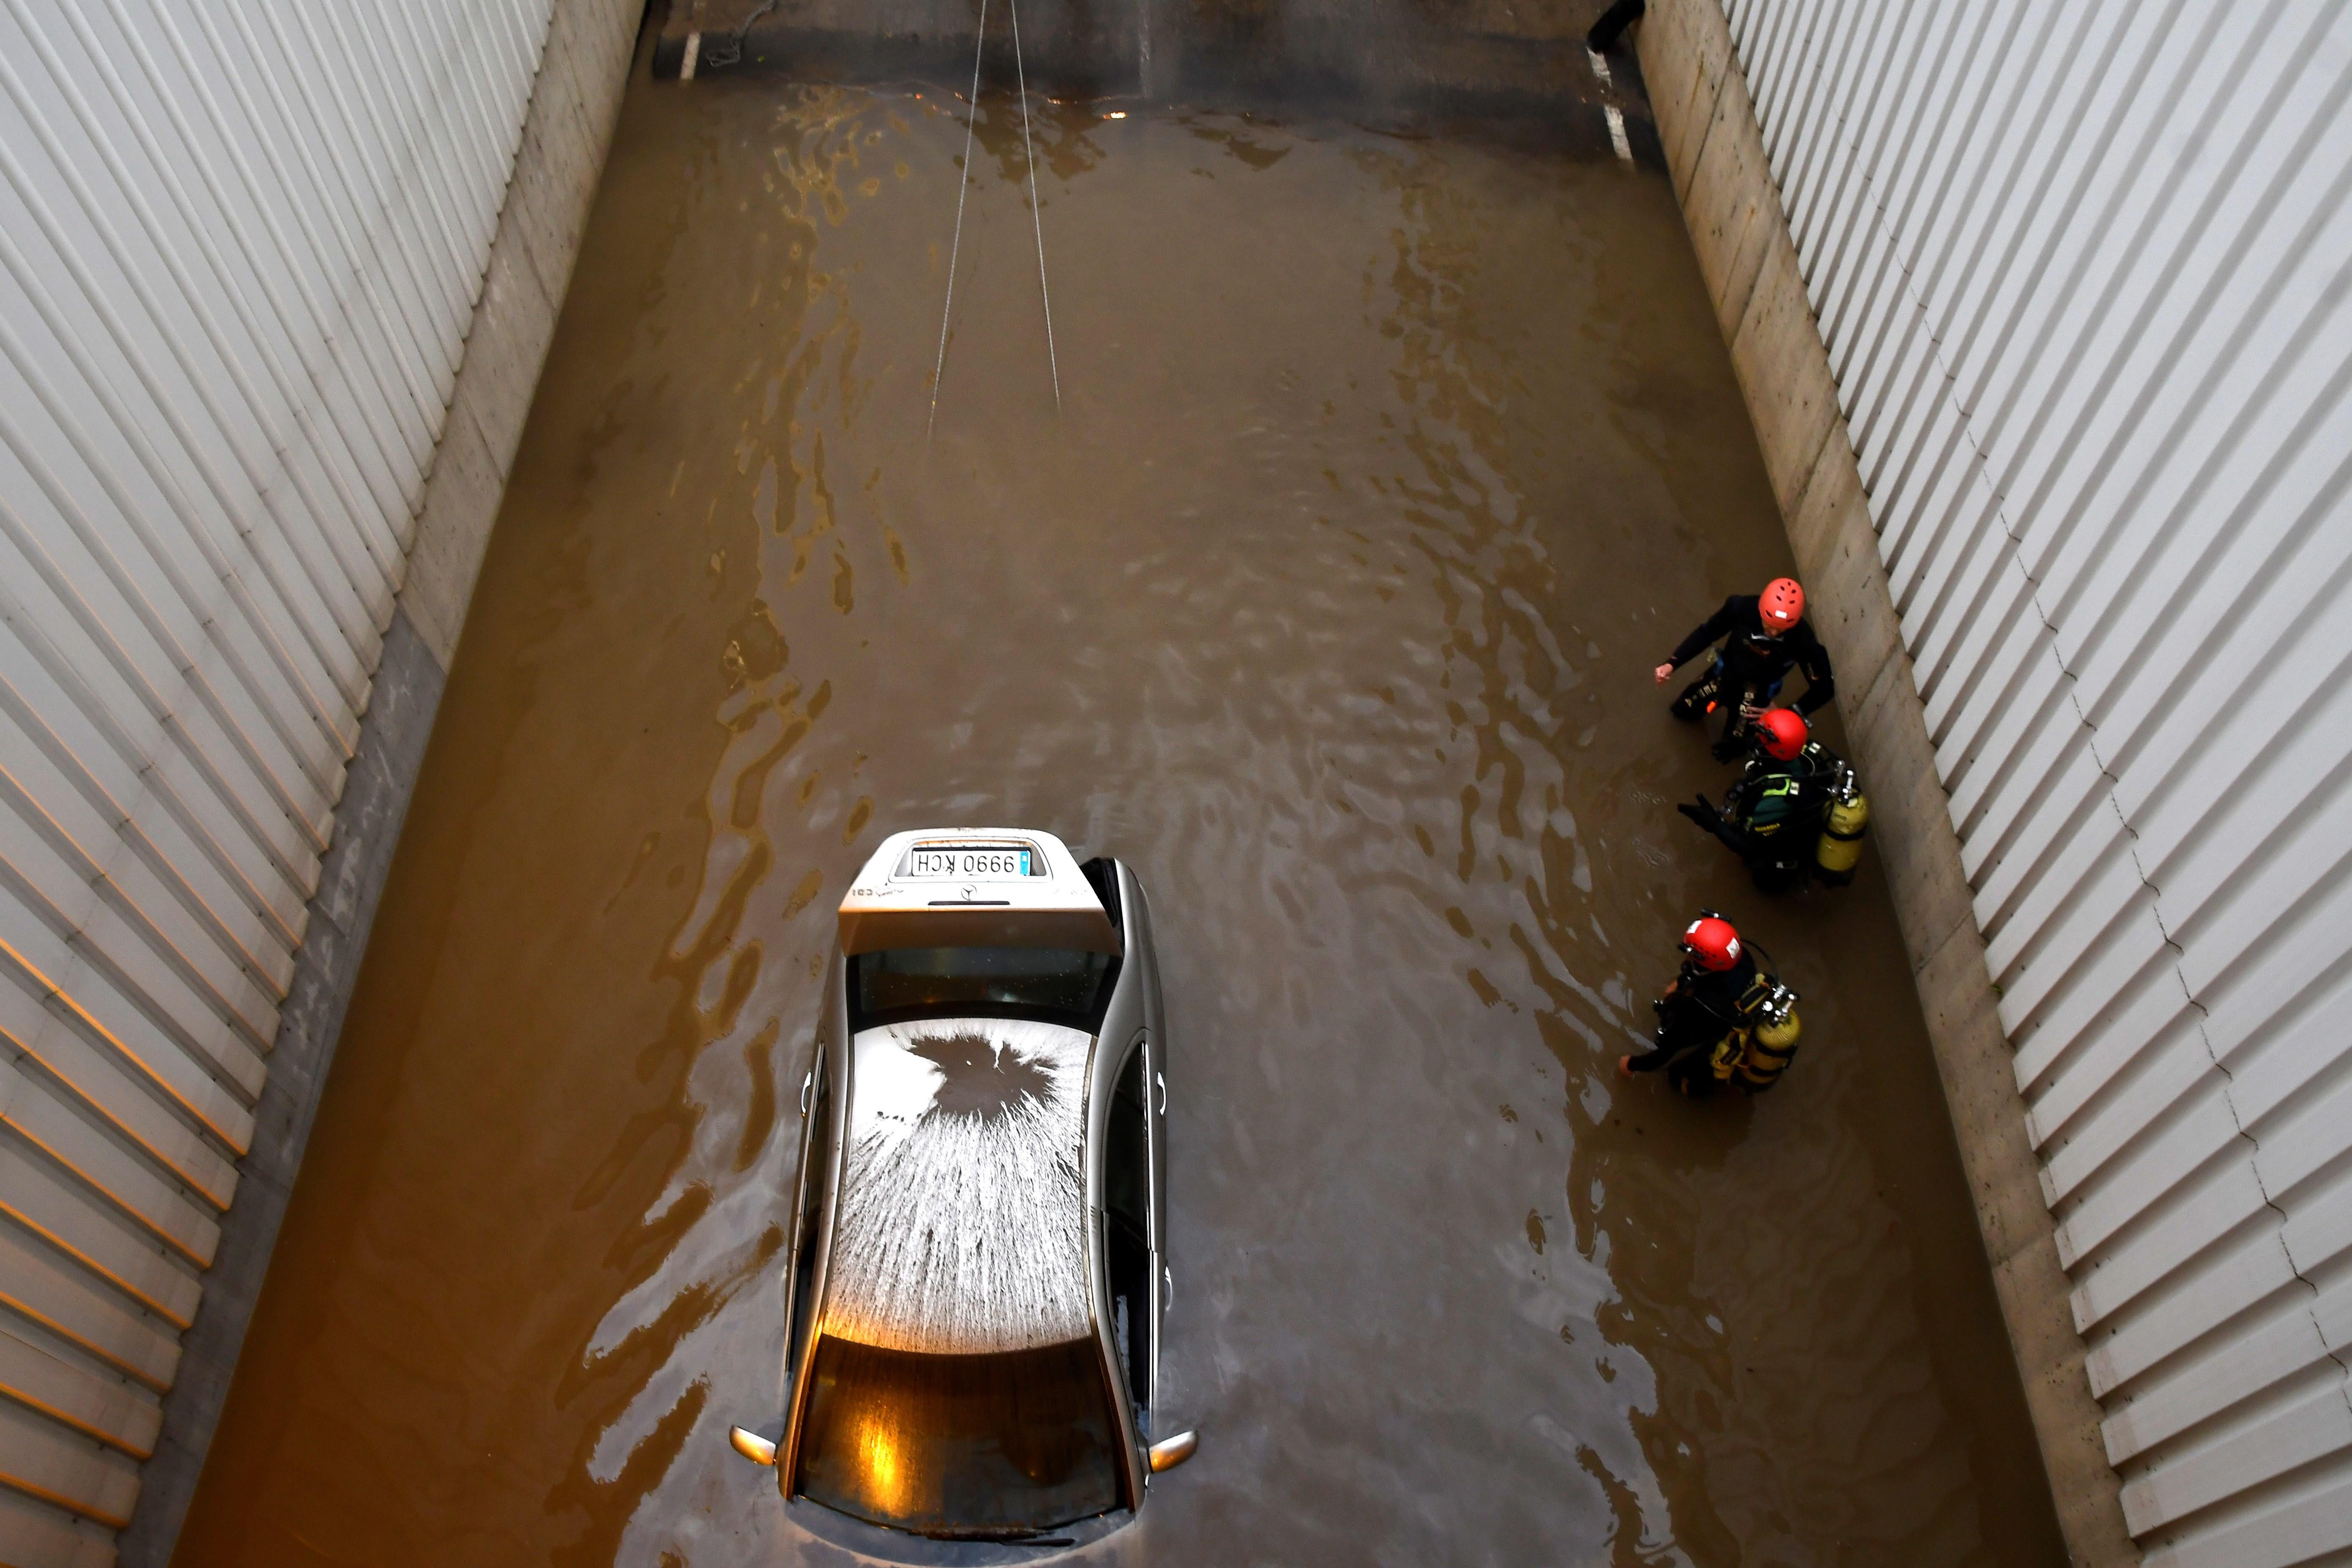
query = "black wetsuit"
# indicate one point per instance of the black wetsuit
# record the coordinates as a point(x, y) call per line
point(1749, 668)
point(1703, 1009)
point(1772, 817)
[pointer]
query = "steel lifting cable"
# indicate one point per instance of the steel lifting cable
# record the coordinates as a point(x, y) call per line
point(963, 184)
point(1036, 218)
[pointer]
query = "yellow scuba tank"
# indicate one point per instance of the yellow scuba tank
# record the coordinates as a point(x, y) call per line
point(1769, 1040)
point(1781, 1033)
point(1843, 826)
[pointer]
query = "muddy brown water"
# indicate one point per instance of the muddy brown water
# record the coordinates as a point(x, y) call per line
point(1384, 470)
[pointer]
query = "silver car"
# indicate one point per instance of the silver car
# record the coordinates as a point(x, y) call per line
point(976, 1283)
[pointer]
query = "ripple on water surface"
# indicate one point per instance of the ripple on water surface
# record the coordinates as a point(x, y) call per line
point(1384, 471)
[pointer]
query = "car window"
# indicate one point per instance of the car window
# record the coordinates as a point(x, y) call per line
point(816, 1167)
point(1055, 985)
point(1127, 1226)
point(960, 1444)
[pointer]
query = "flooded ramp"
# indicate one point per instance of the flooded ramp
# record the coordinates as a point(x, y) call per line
point(1384, 470)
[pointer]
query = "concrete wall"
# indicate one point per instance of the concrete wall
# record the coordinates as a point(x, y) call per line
point(275, 286)
point(2042, 314)
point(1716, 157)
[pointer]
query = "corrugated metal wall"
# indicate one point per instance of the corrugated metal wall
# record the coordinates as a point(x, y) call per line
point(240, 246)
point(2083, 270)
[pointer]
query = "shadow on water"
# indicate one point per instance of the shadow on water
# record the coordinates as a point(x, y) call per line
point(1385, 470)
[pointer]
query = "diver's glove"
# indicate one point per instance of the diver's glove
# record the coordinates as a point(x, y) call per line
point(1709, 817)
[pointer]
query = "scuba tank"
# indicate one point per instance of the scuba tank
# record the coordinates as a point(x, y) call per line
point(1843, 824)
point(1759, 1048)
point(1772, 1039)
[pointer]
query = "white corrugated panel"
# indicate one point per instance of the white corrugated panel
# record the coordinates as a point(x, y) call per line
point(241, 242)
point(2084, 272)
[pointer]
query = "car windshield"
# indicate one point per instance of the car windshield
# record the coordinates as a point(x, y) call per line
point(998, 1444)
point(1057, 985)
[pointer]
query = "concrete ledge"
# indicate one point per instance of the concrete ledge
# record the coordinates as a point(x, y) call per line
point(1715, 153)
point(405, 695)
point(573, 106)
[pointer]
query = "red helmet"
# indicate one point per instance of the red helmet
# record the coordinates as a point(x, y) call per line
point(1783, 731)
point(1781, 605)
point(1711, 941)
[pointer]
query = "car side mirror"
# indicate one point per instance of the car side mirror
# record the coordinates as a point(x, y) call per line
point(760, 1451)
point(1165, 1454)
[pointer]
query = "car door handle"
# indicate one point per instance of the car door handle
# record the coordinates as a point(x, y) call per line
point(1162, 1084)
point(1167, 1289)
point(808, 1082)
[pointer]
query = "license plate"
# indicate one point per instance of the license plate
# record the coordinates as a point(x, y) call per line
point(967, 862)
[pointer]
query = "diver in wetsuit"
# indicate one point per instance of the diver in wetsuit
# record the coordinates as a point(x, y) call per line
point(1772, 817)
point(1764, 637)
point(1701, 1010)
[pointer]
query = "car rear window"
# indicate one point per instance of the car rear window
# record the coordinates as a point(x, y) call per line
point(960, 1444)
point(1056, 984)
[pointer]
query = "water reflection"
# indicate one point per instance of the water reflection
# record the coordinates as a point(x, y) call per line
point(1384, 470)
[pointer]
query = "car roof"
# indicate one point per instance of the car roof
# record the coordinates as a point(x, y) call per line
point(960, 1223)
point(960, 887)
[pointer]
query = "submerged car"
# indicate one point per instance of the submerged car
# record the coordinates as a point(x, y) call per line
point(975, 1285)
